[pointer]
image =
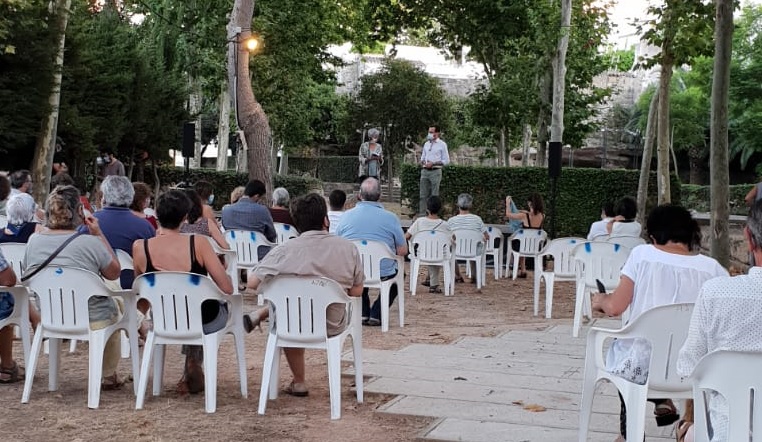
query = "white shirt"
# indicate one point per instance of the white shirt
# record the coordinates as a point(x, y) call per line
point(626, 229)
point(334, 216)
point(598, 228)
point(436, 152)
point(660, 278)
point(727, 316)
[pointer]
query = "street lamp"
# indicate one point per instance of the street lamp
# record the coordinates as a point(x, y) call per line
point(251, 43)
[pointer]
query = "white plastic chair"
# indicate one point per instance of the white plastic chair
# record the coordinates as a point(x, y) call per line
point(470, 247)
point(231, 258)
point(176, 299)
point(125, 262)
point(531, 242)
point(563, 269)
point(595, 260)
point(285, 232)
point(14, 254)
point(298, 306)
point(246, 244)
point(736, 376)
point(371, 253)
point(3, 221)
point(19, 317)
point(432, 248)
point(628, 241)
point(666, 327)
point(496, 251)
point(64, 293)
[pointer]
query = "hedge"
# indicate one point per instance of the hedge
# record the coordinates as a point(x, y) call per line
point(697, 198)
point(225, 182)
point(331, 169)
point(581, 192)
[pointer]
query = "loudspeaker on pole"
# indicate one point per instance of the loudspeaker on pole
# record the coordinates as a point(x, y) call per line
point(189, 140)
point(554, 159)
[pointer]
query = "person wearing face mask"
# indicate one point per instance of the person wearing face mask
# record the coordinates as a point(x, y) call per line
point(205, 190)
point(371, 155)
point(434, 156)
point(111, 166)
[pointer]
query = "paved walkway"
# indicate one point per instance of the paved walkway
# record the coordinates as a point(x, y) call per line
point(520, 386)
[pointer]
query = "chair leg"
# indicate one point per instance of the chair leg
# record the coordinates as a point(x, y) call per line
point(586, 406)
point(211, 349)
point(54, 363)
point(158, 368)
point(334, 376)
point(31, 365)
point(578, 308)
point(132, 341)
point(125, 345)
point(95, 373)
point(549, 282)
point(357, 362)
point(241, 356)
point(271, 352)
point(401, 299)
point(536, 289)
point(148, 351)
point(515, 259)
point(384, 300)
point(635, 401)
point(414, 266)
point(72, 346)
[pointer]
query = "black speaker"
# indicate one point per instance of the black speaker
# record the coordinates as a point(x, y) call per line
point(189, 140)
point(554, 159)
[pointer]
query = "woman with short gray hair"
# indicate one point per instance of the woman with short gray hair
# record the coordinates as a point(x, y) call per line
point(371, 155)
point(117, 191)
point(279, 210)
point(21, 225)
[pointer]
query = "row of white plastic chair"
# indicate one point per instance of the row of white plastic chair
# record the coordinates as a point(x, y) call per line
point(735, 375)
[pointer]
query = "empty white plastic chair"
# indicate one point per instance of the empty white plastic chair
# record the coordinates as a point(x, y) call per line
point(285, 232)
point(176, 299)
point(64, 293)
point(432, 248)
point(560, 249)
point(666, 328)
point(298, 320)
point(470, 247)
point(531, 242)
point(601, 261)
point(246, 245)
point(371, 253)
point(495, 249)
point(736, 376)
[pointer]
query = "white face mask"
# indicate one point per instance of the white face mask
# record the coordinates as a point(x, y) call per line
point(430, 136)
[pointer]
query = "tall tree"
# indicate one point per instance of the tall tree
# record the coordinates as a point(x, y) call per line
point(720, 209)
point(559, 74)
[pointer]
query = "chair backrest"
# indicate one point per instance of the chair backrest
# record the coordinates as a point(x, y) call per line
point(246, 243)
point(531, 241)
point(14, 254)
point(176, 299)
point(599, 260)
point(431, 246)
point(666, 328)
point(3, 221)
point(125, 260)
point(468, 243)
point(371, 253)
point(300, 303)
point(495, 238)
point(285, 232)
point(64, 294)
point(561, 251)
point(736, 376)
point(628, 241)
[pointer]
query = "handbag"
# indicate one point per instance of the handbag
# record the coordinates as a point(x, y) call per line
point(51, 257)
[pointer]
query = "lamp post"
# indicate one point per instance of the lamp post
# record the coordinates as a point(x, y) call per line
point(250, 43)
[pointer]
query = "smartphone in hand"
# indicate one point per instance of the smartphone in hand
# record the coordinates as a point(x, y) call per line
point(601, 287)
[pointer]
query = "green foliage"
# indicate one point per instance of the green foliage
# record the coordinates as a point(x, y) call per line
point(332, 169)
point(224, 182)
point(581, 192)
point(683, 29)
point(696, 198)
point(621, 60)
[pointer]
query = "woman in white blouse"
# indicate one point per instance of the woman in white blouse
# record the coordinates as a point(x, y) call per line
point(624, 224)
point(669, 271)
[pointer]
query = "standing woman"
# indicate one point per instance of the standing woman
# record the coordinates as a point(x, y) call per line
point(371, 156)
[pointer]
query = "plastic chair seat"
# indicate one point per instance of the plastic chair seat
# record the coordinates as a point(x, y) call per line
point(246, 245)
point(560, 249)
point(284, 232)
point(531, 243)
point(432, 248)
point(470, 247)
point(371, 253)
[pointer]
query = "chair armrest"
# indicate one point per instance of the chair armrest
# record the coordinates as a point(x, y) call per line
point(598, 335)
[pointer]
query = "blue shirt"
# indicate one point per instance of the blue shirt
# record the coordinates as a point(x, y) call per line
point(370, 221)
point(249, 215)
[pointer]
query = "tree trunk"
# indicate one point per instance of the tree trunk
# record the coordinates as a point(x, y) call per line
point(194, 108)
point(223, 129)
point(718, 163)
point(503, 157)
point(662, 130)
point(546, 94)
point(42, 163)
point(696, 161)
point(648, 153)
point(559, 75)
point(250, 116)
point(525, 144)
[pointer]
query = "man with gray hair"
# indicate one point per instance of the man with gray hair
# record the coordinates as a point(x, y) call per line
point(727, 316)
point(279, 209)
point(465, 220)
point(370, 221)
point(117, 222)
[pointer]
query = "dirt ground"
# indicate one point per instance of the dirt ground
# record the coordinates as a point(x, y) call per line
point(63, 415)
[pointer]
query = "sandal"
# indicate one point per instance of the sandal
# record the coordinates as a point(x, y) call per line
point(682, 430)
point(111, 383)
point(250, 324)
point(435, 289)
point(298, 390)
point(666, 413)
point(11, 375)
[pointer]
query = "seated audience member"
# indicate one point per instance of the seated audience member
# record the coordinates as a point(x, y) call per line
point(173, 251)
point(669, 271)
point(624, 223)
point(119, 225)
point(92, 252)
point(64, 179)
point(10, 372)
point(249, 214)
point(141, 201)
point(533, 218)
point(431, 221)
point(370, 221)
point(598, 228)
point(336, 201)
point(5, 192)
point(196, 223)
point(21, 182)
point(727, 316)
point(314, 252)
point(465, 220)
point(21, 225)
point(279, 209)
point(236, 194)
point(205, 191)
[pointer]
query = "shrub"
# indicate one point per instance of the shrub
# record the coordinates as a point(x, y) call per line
point(331, 169)
point(697, 198)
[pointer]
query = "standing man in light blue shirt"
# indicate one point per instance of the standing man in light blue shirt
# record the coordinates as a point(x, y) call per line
point(370, 221)
point(434, 156)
